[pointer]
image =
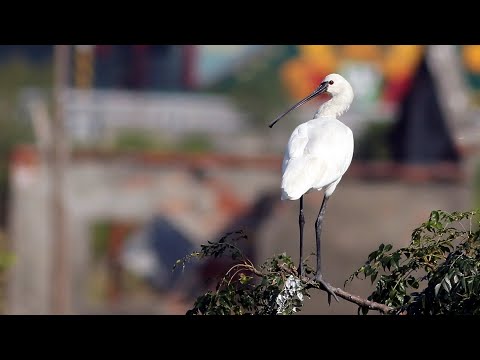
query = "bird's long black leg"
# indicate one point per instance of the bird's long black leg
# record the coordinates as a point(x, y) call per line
point(301, 222)
point(318, 233)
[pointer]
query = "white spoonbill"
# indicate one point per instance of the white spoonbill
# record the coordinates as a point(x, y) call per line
point(318, 154)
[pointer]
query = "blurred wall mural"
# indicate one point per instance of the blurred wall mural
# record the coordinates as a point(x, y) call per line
point(376, 72)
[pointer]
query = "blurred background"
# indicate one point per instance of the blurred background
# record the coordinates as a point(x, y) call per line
point(117, 160)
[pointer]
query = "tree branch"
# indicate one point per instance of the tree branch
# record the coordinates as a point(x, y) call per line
point(372, 305)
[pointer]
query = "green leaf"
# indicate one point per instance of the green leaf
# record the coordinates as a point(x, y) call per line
point(399, 298)
point(446, 285)
point(244, 279)
point(368, 270)
point(372, 256)
point(447, 280)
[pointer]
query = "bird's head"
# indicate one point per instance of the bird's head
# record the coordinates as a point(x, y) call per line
point(333, 84)
point(337, 85)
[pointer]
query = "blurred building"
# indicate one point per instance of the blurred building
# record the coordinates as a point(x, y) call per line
point(130, 218)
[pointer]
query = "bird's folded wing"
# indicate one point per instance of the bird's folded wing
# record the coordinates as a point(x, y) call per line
point(300, 175)
point(316, 155)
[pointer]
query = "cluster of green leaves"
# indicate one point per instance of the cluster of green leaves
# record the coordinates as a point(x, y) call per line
point(437, 273)
point(245, 289)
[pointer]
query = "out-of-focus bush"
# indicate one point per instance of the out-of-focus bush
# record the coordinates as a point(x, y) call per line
point(141, 140)
point(137, 140)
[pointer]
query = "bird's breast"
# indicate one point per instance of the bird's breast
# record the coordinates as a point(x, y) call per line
point(319, 152)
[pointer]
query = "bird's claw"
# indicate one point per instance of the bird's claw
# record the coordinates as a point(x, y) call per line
point(327, 287)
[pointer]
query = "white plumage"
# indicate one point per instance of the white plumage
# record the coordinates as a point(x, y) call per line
point(320, 151)
point(318, 154)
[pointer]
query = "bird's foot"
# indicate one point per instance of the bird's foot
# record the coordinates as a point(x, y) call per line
point(327, 287)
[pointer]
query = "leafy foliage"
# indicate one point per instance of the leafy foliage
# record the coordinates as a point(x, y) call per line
point(437, 273)
point(272, 289)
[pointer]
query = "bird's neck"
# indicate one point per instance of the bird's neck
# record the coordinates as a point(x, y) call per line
point(334, 107)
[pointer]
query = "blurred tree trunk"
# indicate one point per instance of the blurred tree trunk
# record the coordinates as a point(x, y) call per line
point(448, 75)
point(58, 165)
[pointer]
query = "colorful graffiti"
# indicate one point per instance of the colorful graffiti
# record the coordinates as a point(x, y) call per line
point(471, 58)
point(377, 72)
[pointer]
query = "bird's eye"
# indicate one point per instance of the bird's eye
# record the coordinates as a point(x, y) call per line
point(331, 82)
